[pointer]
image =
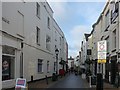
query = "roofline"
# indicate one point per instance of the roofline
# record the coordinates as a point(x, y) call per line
point(107, 3)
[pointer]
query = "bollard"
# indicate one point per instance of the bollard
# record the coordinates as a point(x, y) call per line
point(46, 79)
point(32, 78)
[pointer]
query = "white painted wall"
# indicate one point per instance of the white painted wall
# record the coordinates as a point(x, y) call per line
point(31, 51)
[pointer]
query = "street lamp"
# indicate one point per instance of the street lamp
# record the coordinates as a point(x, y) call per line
point(56, 52)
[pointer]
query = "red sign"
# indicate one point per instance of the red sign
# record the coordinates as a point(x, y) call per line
point(20, 83)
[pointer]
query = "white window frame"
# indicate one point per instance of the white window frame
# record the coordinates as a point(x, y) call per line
point(40, 62)
point(48, 43)
point(38, 10)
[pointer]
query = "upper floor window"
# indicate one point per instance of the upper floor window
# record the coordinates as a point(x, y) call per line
point(107, 21)
point(114, 12)
point(48, 42)
point(38, 36)
point(114, 38)
point(60, 40)
point(48, 22)
point(38, 10)
point(108, 45)
point(55, 36)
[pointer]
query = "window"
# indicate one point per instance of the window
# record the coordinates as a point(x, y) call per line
point(40, 64)
point(8, 62)
point(38, 36)
point(38, 10)
point(48, 42)
point(48, 68)
point(55, 36)
point(60, 40)
point(107, 21)
point(114, 38)
point(20, 24)
point(107, 39)
point(48, 22)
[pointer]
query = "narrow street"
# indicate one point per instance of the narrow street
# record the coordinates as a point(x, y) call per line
point(71, 81)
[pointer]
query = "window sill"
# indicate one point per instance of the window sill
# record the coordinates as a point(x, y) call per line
point(8, 80)
point(38, 44)
point(49, 27)
point(38, 16)
point(40, 72)
point(107, 28)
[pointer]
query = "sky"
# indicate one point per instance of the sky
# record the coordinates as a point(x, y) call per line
point(75, 19)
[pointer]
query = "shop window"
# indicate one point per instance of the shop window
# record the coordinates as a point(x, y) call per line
point(8, 63)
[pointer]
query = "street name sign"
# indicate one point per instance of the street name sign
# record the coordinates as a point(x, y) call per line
point(102, 49)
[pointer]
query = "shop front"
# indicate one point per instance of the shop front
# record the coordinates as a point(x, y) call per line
point(10, 60)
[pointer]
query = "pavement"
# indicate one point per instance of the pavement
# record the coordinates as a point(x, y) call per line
point(108, 86)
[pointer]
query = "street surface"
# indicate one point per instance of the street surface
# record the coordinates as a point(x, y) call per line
point(71, 81)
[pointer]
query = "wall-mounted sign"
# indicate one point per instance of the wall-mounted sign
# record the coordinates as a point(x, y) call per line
point(20, 83)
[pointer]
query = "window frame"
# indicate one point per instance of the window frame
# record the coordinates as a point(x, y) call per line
point(40, 62)
point(11, 62)
point(48, 22)
point(38, 35)
point(38, 10)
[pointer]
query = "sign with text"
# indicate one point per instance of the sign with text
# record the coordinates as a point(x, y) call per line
point(102, 49)
point(102, 46)
point(20, 83)
point(101, 55)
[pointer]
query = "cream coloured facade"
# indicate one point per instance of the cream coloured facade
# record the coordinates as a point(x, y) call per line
point(107, 28)
point(31, 36)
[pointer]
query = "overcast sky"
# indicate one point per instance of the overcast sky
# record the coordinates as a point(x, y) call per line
point(75, 19)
